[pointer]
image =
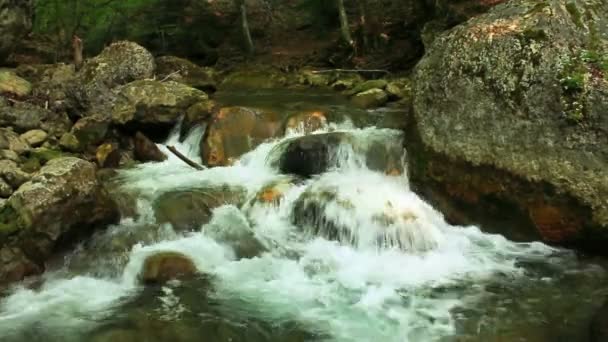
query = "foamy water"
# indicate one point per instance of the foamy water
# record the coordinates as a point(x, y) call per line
point(395, 281)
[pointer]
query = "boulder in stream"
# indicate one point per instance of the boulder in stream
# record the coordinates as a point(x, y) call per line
point(510, 110)
point(162, 267)
point(235, 131)
point(146, 150)
point(192, 208)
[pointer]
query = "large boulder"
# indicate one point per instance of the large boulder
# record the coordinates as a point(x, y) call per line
point(15, 23)
point(11, 84)
point(190, 209)
point(512, 106)
point(62, 201)
point(23, 116)
point(235, 131)
point(183, 71)
point(118, 64)
point(154, 102)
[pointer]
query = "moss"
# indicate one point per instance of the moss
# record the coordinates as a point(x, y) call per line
point(535, 34)
point(43, 155)
point(10, 222)
point(31, 164)
point(537, 8)
point(575, 14)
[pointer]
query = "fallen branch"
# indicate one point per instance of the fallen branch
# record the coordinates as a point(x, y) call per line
point(352, 70)
point(185, 159)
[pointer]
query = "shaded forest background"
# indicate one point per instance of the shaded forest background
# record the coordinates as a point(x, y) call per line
point(385, 33)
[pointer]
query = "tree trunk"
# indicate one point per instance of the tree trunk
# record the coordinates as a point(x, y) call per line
point(249, 48)
point(363, 25)
point(344, 27)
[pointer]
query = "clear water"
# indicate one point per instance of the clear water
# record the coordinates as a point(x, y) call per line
point(448, 284)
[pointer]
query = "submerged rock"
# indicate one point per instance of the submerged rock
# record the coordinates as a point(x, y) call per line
point(162, 267)
point(190, 209)
point(516, 100)
point(230, 226)
point(236, 131)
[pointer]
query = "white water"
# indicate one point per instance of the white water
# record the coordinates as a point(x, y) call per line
point(358, 290)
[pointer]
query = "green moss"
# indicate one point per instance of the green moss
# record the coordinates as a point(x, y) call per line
point(575, 14)
point(537, 8)
point(535, 34)
point(43, 155)
point(10, 222)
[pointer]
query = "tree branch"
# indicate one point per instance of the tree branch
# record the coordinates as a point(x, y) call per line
point(185, 159)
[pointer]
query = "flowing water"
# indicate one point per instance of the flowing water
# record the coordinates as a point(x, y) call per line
point(373, 262)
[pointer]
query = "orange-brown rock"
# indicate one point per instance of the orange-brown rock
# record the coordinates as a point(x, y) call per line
point(555, 224)
point(162, 267)
point(306, 122)
point(146, 150)
point(235, 131)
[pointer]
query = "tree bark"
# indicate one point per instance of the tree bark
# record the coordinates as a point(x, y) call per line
point(242, 7)
point(344, 27)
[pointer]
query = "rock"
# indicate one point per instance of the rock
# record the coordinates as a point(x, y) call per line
point(22, 116)
point(16, 23)
point(274, 192)
point(91, 130)
point(10, 155)
point(190, 209)
point(198, 114)
point(146, 150)
point(230, 226)
point(370, 99)
point(12, 174)
point(183, 71)
point(12, 141)
point(108, 155)
point(346, 82)
point(62, 201)
point(235, 131)
point(11, 84)
point(15, 265)
point(120, 63)
point(154, 102)
point(251, 78)
point(311, 155)
point(162, 267)
point(368, 85)
point(306, 122)
point(455, 12)
point(515, 99)
point(315, 79)
point(44, 154)
point(5, 189)
point(399, 89)
point(69, 142)
point(599, 325)
point(323, 211)
point(34, 137)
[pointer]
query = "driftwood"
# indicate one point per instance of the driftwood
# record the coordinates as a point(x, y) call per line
point(185, 159)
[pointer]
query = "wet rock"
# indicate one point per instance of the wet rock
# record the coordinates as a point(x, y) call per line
point(15, 265)
point(62, 201)
point(12, 174)
point(34, 137)
point(236, 131)
point(368, 85)
point(370, 99)
point(273, 193)
point(162, 267)
point(519, 92)
point(399, 89)
point(16, 23)
point(91, 130)
point(183, 71)
point(314, 154)
point(198, 114)
point(108, 155)
point(599, 325)
point(306, 122)
point(230, 226)
point(154, 102)
point(11, 84)
point(69, 142)
point(190, 209)
point(146, 150)
point(262, 78)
